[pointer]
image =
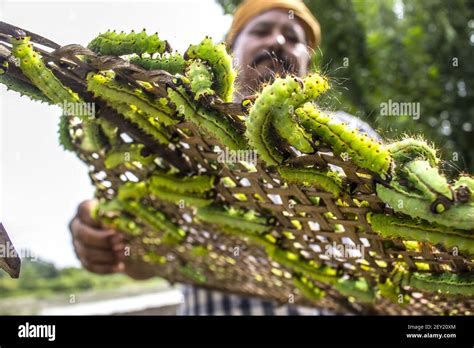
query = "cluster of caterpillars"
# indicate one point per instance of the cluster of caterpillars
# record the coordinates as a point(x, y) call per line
point(284, 114)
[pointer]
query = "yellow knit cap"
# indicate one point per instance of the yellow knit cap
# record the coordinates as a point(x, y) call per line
point(251, 8)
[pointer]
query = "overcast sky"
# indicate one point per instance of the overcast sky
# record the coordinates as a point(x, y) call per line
point(40, 184)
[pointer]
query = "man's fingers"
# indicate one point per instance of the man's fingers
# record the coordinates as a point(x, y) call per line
point(93, 255)
point(90, 236)
point(84, 213)
point(104, 268)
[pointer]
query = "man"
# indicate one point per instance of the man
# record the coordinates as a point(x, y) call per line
point(267, 37)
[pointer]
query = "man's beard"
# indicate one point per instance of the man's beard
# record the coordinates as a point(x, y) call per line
point(270, 64)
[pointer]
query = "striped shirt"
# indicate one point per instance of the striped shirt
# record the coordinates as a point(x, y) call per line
point(200, 301)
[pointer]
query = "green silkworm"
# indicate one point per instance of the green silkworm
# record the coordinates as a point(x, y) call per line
point(308, 288)
point(219, 126)
point(126, 153)
point(154, 219)
point(200, 79)
point(364, 151)
point(324, 179)
point(132, 190)
point(115, 93)
point(93, 140)
point(409, 149)
point(359, 289)
point(408, 229)
point(426, 179)
point(283, 115)
point(42, 77)
point(110, 131)
point(235, 218)
point(448, 283)
point(323, 274)
point(264, 239)
point(180, 198)
point(119, 44)
point(172, 63)
point(144, 121)
point(187, 184)
point(219, 61)
point(25, 89)
point(460, 216)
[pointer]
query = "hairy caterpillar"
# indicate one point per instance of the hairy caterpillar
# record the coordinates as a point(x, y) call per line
point(359, 289)
point(409, 149)
point(115, 93)
point(93, 140)
point(283, 114)
point(119, 44)
point(155, 219)
point(217, 125)
point(125, 153)
point(234, 218)
point(200, 79)
point(188, 184)
point(461, 216)
point(426, 179)
point(265, 239)
point(308, 288)
point(324, 179)
point(295, 262)
point(173, 63)
point(391, 226)
point(364, 151)
point(42, 77)
point(25, 89)
point(449, 283)
point(219, 61)
point(146, 123)
point(178, 198)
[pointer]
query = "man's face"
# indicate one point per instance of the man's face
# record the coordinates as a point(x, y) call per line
point(271, 43)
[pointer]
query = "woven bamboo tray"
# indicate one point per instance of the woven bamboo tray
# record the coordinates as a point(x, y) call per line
point(232, 264)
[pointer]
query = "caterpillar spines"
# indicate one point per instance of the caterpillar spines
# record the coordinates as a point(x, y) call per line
point(115, 94)
point(408, 229)
point(460, 217)
point(201, 79)
point(219, 61)
point(364, 151)
point(217, 125)
point(234, 218)
point(322, 178)
point(42, 77)
point(173, 63)
point(111, 43)
point(408, 149)
point(447, 283)
point(188, 184)
point(178, 198)
point(125, 154)
point(65, 138)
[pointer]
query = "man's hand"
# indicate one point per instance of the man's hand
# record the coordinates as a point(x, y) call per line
point(100, 250)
